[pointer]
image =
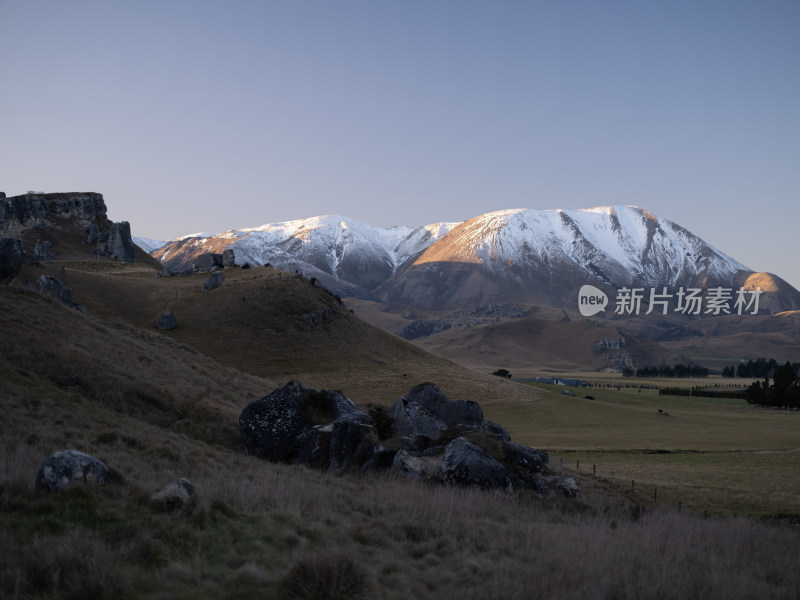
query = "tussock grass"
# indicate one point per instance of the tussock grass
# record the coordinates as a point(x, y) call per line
point(52, 350)
point(280, 529)
point(254, 323)
point(69, 380)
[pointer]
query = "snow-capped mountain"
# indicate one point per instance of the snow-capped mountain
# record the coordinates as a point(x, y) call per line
point(531, 256)
point(620, 245)
point(544, 256)
point(345, 254)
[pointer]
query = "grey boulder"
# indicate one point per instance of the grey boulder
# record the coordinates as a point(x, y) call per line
point(409, 465)
point(381, 459)
point(167, 321)
point(65, 466)
point(50, 286)
point(464, 463)
point(409, 419)
point(495, 429)
point(214, 281)
point(569, 487)
point(526, 459)
point(175, 495)
point(319, 428)
point(465, 413)
point(228, 258)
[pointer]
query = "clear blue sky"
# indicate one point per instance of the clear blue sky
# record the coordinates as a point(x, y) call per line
point(204, 116)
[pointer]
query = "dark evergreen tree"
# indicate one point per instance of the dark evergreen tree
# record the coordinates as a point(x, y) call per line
point(502, 373)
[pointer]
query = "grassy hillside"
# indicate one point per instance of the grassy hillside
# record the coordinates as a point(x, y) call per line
point(273, 324)
point(542, 340)
point(154, 408)
point(525, 346)
point(545, 341)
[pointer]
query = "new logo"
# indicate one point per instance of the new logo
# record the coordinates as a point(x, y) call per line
point(591, 300)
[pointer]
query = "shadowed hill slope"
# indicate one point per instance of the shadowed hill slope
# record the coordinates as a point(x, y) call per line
point(279, 326)
point(48, 349)
point(530, 345)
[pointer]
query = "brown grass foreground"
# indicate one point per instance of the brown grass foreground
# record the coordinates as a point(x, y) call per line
point(155, 409)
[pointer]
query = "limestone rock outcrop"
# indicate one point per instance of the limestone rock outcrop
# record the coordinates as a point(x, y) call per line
point(10, 257)
point(31, 210)
point(120, 246)
point(88, 213)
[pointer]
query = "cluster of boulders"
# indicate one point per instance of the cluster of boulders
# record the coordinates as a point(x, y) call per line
point(505, 310)
point(12, 257)
point(212, 260)
point(423, 435)
point(66, 467)
point(424, 328)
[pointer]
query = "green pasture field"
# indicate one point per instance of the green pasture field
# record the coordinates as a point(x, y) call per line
point(617, 379)
point(708, 454)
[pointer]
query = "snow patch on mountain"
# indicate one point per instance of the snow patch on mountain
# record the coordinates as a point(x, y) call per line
point(332, 244)
point(619, 243)
point(149, 245)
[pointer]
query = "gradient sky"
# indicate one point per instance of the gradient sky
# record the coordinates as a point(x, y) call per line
point(189, 115)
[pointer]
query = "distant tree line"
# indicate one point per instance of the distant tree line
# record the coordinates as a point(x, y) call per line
point(668, 371)
point(706, 393)
point(784, 392)
point(759, 368)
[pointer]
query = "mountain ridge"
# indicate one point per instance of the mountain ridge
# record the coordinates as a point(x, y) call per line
point(524, 255)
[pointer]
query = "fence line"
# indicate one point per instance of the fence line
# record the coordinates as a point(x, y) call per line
point(633, 490)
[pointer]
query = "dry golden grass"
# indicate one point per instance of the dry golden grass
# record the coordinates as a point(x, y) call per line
point(255, 323)
point(524, 346)
point(258, 528)
point(154, 407)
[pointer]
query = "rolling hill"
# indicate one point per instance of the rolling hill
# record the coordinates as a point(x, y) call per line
point(160, 405)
